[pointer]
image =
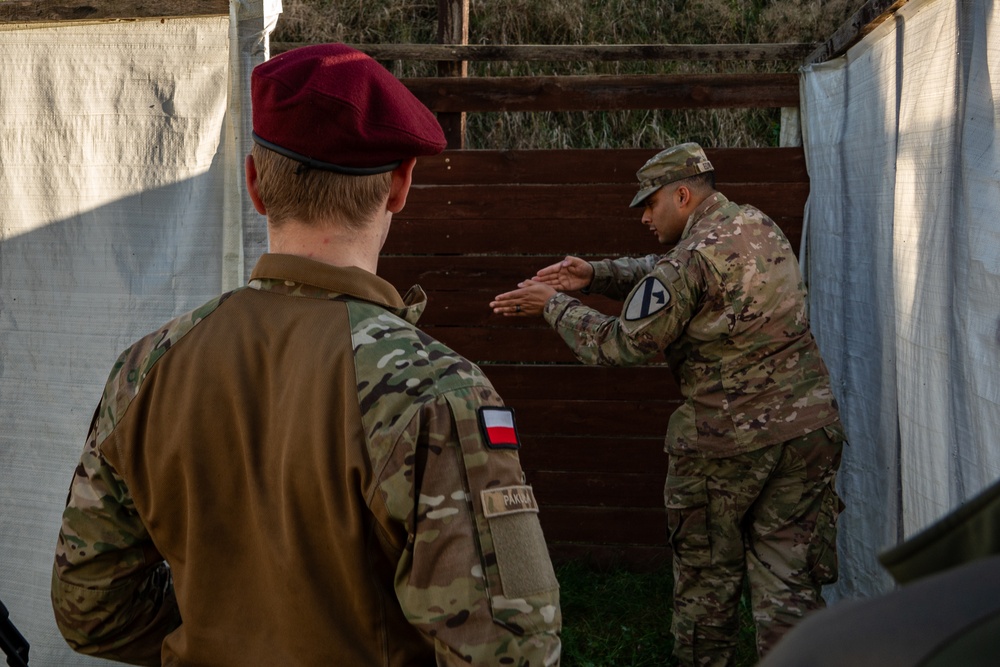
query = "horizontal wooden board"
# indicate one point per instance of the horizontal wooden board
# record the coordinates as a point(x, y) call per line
point(558, 203)
point(508, 345)
point(519, 201)
point(504, 235)
point(606, 92)
point(605, 490)
point(578, 382)
point(483, 275)
point(35, 11)
point(645, 526)
point(596, 455)
point(471, 308)
point(554, 166)
point(643, 418)
point(440, 273)
point(585, 419)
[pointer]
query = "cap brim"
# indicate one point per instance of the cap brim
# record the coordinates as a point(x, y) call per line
point(643, 195)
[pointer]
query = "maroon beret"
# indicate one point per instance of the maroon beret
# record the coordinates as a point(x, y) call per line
point(332, 107)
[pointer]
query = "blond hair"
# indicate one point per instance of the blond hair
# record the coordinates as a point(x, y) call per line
point(311, 196)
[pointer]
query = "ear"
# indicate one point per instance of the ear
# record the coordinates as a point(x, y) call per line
point(402, 178)
point(251, 174)
point(683, 194)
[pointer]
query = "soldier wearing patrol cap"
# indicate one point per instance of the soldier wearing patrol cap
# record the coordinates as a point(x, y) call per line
point(754, 450)
point(293, 473)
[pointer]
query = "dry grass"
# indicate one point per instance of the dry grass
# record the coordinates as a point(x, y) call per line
point(587, 22)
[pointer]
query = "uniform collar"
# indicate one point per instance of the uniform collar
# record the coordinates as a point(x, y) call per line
point(711, 204)
point(298, 276)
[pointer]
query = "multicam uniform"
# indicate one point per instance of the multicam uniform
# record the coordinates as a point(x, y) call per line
point(757, 440)
point(317, 473)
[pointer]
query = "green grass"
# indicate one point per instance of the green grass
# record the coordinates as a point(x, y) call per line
point(613, 617)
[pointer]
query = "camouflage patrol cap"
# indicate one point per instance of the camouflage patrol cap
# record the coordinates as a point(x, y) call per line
point(670, 165)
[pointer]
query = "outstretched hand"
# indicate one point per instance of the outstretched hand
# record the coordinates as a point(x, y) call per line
point(569, 275)
point(528, 299)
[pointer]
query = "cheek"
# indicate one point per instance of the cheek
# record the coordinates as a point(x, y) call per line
point(660, 216)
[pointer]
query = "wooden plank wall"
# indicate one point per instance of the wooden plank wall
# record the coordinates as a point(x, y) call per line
point(43, 11)
point(476, 223)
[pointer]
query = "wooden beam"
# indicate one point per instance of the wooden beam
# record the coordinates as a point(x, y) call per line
point(866, 19)
point(581, 382)
point(596, 93)
point(600, 165)
point(607, 489)
point(605, 452)
point(453, 28)
point(576, 53)
point(44, 11)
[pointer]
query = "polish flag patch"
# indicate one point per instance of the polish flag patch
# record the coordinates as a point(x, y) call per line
point(498, 428)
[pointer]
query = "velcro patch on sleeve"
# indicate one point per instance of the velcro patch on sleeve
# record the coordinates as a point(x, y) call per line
point(508, 500)
point(498, 428)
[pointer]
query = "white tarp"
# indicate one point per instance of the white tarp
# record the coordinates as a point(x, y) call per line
point(904, 268)
point(121, 156)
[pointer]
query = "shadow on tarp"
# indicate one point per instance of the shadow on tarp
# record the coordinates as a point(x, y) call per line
point(73, 294)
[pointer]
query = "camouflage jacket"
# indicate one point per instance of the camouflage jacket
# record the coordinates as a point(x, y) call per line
point(726, 305)
point(295, 474)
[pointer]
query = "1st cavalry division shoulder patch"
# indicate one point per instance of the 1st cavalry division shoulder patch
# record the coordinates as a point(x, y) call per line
point(498, 428)
point(649, 297)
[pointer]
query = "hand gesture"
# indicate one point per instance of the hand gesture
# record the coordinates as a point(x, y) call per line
point(528, 299)
point(568, 275)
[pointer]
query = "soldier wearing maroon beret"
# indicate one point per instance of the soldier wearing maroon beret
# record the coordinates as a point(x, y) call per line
point(293, 473)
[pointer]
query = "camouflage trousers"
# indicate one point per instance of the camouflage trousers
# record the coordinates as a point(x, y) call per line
point(767, 517)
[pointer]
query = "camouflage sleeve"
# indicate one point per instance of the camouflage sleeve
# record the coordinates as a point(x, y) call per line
point(655, 313)
point(475, 575)
point(616, 278)
point(112, 592)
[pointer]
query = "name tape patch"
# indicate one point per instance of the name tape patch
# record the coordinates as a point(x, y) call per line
point(508, 500)
point(649, 297)
point(498, 428)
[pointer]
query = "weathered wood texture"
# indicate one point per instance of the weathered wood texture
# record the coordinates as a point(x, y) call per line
point(606, 92)
point(477, 222)
point(35, 11)
point(453, 94)
point(862, 22)
point(453, 28)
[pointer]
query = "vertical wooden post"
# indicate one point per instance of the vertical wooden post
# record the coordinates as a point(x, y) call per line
point(453, 28)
